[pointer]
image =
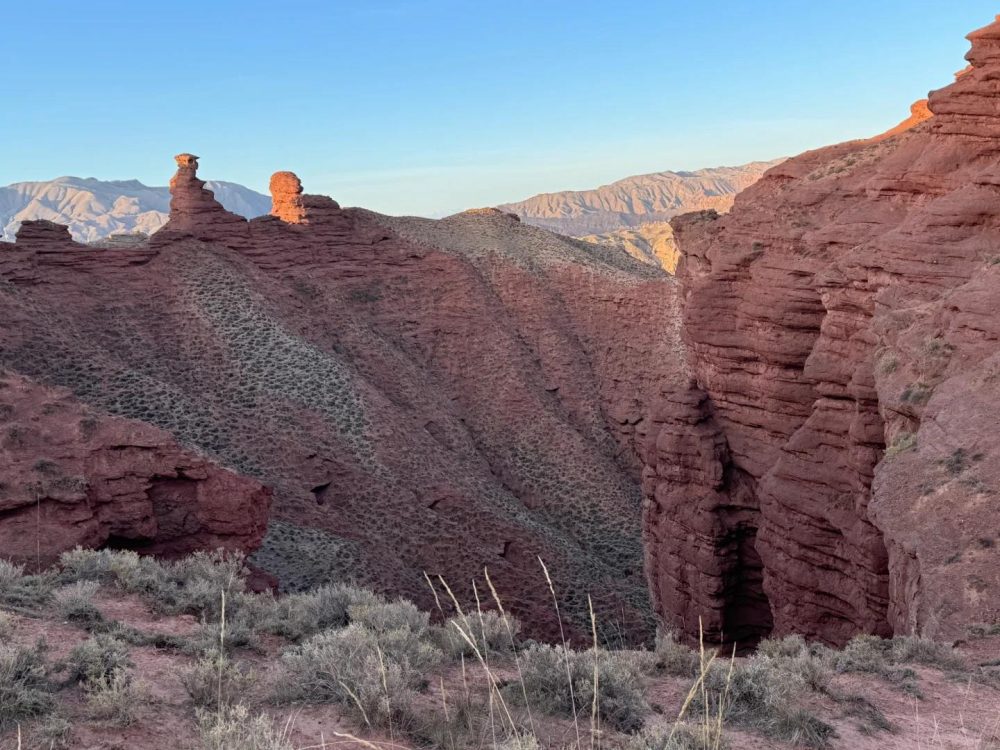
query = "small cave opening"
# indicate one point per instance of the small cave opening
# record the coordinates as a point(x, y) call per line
point(747, 618)
point(319, 492)
point(746, 611)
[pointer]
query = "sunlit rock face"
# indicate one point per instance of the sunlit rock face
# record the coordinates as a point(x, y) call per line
point(833, 468)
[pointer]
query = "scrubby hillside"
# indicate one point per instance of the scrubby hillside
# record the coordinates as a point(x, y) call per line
point(113, 650)
point(421, 395)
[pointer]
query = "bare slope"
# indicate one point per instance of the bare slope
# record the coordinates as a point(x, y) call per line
point(637, 200)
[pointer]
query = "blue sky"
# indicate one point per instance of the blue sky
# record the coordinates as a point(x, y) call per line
point(432, 106)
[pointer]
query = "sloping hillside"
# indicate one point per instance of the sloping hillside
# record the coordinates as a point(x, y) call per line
point(637, 200)
point(421, 395)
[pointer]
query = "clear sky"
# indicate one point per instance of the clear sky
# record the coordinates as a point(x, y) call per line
point(432, 106)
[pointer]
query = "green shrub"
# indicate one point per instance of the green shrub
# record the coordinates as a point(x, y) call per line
point(620, 702)
point(25, 690)
point(96, 660)
point(371, 666)
point(520, 742)
point(7, 625)
point(798, 660)
point(299, 616)
point(372, 673)
point(673, 657)
point(492, 633)
point(911, 649)
point(195, 584)
point(216, 677)
point(873, 655)
point(20, 590)
point(757, 695)
point(75, 603)
point(681, 736)
point(54, 731)
point(131, 572)
point(114, 698)
point(234, 728)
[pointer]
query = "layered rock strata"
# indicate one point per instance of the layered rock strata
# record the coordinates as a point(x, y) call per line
point(840, 325)
point(73, 476)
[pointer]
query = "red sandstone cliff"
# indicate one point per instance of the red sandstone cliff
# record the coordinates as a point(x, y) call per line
point(833, 466)
point(437, 396)
point(72, 476)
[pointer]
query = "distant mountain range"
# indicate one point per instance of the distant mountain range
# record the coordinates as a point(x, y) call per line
point(94, 209)
point(632, 213)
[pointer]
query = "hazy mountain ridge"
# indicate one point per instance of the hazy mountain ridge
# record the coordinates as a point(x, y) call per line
point(640, 199)
point(94, 209)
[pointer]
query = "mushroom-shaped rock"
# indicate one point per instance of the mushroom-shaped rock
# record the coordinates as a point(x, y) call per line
point(195, 212)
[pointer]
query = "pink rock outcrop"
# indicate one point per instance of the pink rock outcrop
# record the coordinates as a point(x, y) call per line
point(838, 440)
point(70, 476)
point(195, 213)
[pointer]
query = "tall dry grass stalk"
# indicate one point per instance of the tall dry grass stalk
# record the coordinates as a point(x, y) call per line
point(513, 647)
point(562, 637)
point(595, 717)
point(468, 636)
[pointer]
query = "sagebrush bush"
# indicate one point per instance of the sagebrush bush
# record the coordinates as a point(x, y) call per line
point(7, 625)
point(520, 742)
point(346, 666)
point(54, 732)
point(371, 671)
point(97, 659)
point(681, 736)
point(114, 698)
point(214, 678)
point(298, 616)
point(18, 589)
point(672, 657)
point(195, 584)
point(25, 689)
point(911, 649)
point(804, 663)
point(492, 633)
point(873, 655)
point(235, 727)
point(621, 702)
point(758, 695)
point(131, 572)
point(75, 603)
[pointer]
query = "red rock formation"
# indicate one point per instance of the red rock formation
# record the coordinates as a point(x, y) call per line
point(841, 326)
point(71, 476)
point(437, 396)
point(286, 197)
point(194, 212)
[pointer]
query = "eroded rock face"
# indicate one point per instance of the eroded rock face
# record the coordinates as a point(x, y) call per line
point(195, 213)
point(841, 327)
point(73, 476)
point(423, 396)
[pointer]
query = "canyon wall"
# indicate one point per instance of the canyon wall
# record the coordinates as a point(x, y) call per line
point(831, 467)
